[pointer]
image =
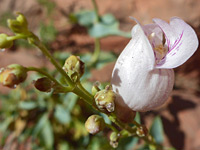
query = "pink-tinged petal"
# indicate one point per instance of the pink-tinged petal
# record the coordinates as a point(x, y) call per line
point(140, 86)
point(153, 28)
point(181, 41)
point(154, 34)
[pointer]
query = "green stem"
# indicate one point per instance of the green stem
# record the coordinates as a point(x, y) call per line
point(89, 96)
point(96, 10)
point(19, 36)
point(65, 89)
point(96, 53)
point(112, 127)
point(83, 95)
point(39, 44)
point(44, 73)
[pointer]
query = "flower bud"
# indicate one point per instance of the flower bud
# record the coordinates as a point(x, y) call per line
point(4, 42)
point(43, 84)
point(13, 75)
point(105, 100)
point(19, 25)
point(114, 138)
point(22, 19)
point(95, 124)
point(74, 67)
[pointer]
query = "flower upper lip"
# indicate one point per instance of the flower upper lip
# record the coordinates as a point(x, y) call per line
point(181, 41)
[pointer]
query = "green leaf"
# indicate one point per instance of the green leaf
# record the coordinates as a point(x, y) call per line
point(100, 29)
point(105, 58)
point(127, 143)
point(99, 143)
point(86, 57)
point(27, 105)
point(69, 101)
point(105, 117)
point(85, 18)
point(156, 130)
point(40, 124)
point(61, 56)
point(137, 117)
point(48, 32)
point(108, 19)
point(4, 125)
point(108, 25)
point(47, 135)
point(63, 146)
point(62, 114)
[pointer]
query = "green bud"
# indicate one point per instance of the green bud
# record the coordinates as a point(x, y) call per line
point(95, 88)
point(95, 124)
point(114, 138)
point(19, 25)
point(22, 19)
point(74, 67)
point(4, 42)
point(13, 75)
point(43, 84)
point(105, 100)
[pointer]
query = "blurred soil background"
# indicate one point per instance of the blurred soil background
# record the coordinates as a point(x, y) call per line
point(181, 114)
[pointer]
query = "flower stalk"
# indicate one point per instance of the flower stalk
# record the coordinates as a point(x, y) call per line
point(97, 48)
point(35, 41)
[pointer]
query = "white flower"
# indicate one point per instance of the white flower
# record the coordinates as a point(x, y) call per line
point(143, 75)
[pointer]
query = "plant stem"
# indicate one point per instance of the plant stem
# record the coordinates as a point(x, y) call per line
point(97, 49)
point(112, 127)
point(89, 96)
point(65, 89)
point(44, 73)
point(96, 53)
point(96, 10)
point(39, 44)
point(19, 36)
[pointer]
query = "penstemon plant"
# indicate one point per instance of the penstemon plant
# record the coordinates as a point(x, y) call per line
point(142, 78)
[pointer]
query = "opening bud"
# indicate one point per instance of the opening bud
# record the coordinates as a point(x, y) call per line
point(105, 100)
point(4, 42)
point(95, 124)
point(114, 138)
point(13, 75)
point(43, 84)
point(74, 67)
point(19, 25)
point(22, 19)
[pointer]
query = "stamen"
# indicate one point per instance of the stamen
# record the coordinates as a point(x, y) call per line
point(151, 36)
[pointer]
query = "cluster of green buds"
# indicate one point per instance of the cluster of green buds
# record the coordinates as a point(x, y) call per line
point(74, 67)
point(95, 124)
point(13, 75)
point(105, 99)
point(19, 25)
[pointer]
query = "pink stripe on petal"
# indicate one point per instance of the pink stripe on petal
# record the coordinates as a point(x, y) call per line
point(181, 40)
